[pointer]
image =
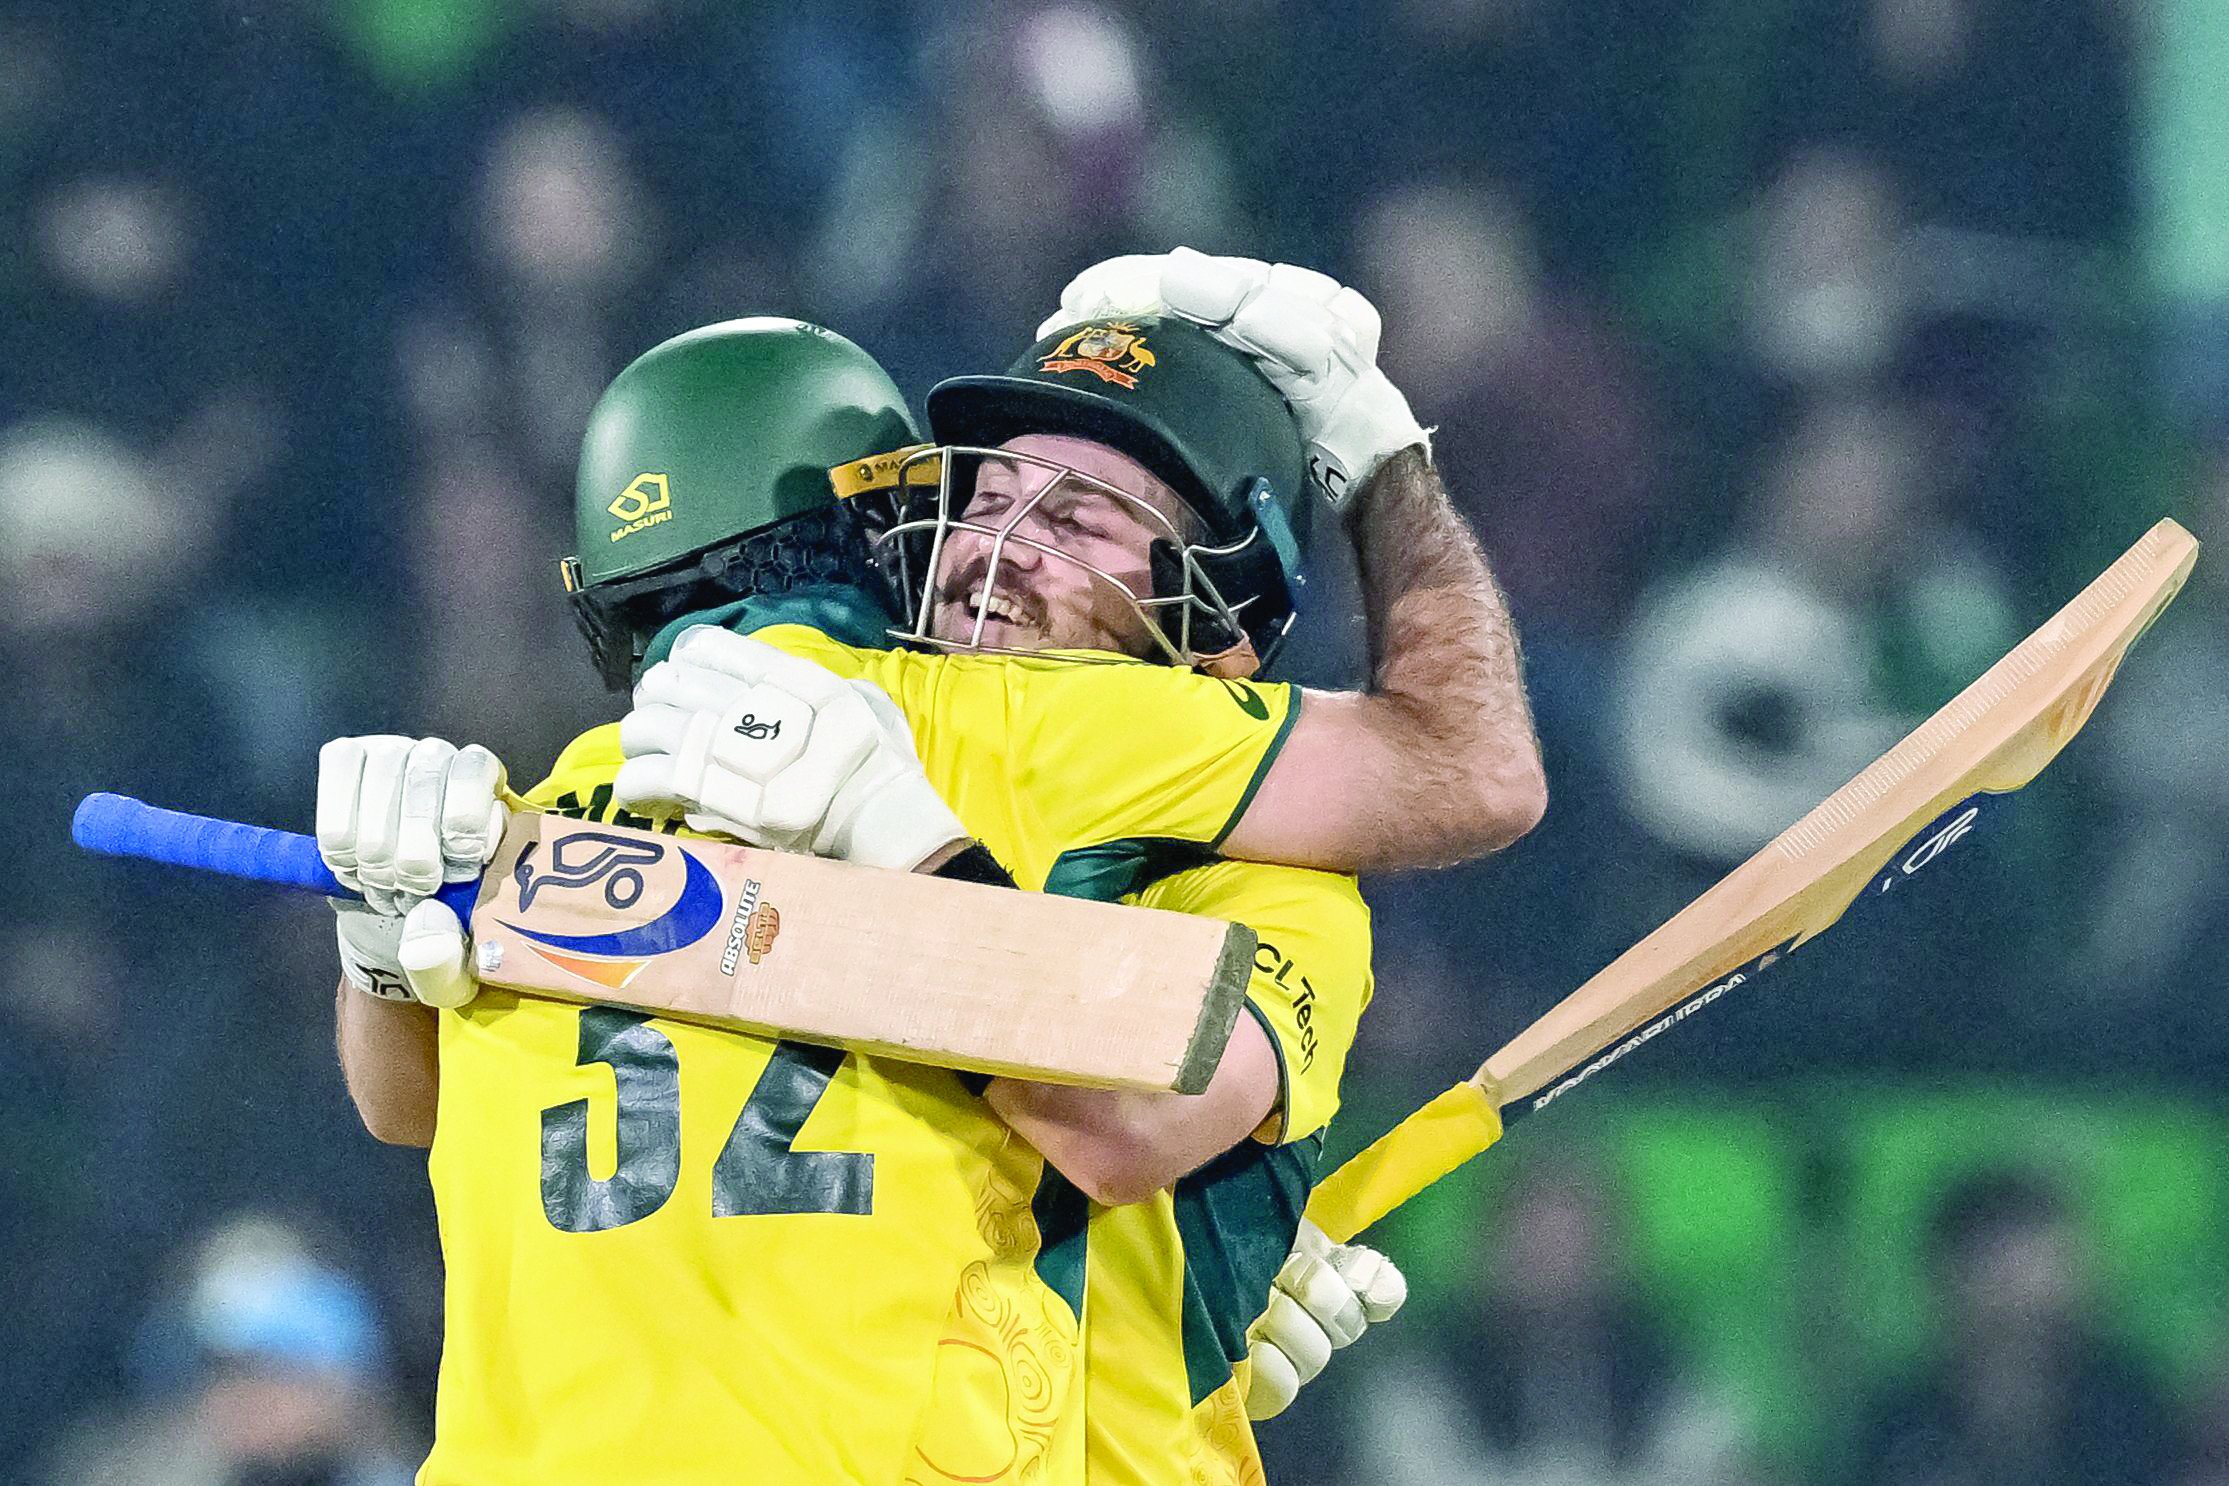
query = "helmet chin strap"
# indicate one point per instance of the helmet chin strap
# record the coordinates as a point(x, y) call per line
point(1234, 664)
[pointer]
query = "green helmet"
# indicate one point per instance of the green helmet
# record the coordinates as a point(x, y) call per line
point(704, 475)
point(1195, 412)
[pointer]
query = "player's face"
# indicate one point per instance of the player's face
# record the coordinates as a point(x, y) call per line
point(1050, 521)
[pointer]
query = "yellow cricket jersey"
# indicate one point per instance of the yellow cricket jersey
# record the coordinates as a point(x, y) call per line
point(679, 1255)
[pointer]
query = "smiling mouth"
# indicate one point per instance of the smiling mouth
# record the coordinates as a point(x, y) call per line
point(993, 607)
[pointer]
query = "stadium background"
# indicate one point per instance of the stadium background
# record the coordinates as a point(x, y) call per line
point(1829, 343)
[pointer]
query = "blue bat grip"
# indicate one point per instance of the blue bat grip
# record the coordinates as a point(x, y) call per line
point(120, 826)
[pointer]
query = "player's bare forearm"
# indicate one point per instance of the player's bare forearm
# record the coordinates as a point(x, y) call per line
point(389, 1057)
point(1437, 761)
point(1120, 1147)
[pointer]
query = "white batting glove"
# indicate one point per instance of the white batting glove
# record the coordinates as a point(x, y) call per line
point(777, 751)
point(1315, 340)
point(418, 956)
point(1324, 1298)
point(396, 818)
point(1112, 287)
point(371, 949)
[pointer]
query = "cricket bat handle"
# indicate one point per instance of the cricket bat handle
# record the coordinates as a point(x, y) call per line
point(120, 826)
point(1405, 1160)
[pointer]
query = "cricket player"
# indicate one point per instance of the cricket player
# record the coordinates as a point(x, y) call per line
point(599, 776)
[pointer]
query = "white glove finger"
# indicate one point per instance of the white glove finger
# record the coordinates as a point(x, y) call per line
point(1209, 289)
point(340, 778)
point(1277, 328)
point(378, 820)
point(1361, 324)
point(1324, 1294)
point(425, 776)
point(1127, 284)
point(1289, 1327)
point(1373, 1279)
point(845, 734)
point(1272, 1384)
point(730, 805)
point(647, 781)
point(653, 728)
point(750, 659)
point(691, 688)
point(472, 814)
point(713, 825)
point(1308, 285)
point(433, 956)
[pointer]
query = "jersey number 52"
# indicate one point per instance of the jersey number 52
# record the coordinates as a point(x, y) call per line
point(759, 1171)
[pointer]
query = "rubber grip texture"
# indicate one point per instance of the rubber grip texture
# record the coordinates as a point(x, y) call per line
point(120, 826)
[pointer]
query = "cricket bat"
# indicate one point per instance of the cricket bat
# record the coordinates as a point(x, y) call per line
point(1904, 811)
point(954, 974)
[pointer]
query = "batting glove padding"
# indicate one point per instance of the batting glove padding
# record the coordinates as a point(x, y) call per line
point(1112, 287)
point(1324, 1298)
point(433, 954)
point(1314, 339)
point(776, 751)
point(397, 817)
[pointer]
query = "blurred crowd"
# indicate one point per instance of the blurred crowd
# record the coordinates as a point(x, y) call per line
point(1791, 357)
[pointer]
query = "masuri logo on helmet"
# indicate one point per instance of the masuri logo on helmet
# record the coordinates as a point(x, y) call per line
point(647, 501)
point(720, 441)
point(748, 419)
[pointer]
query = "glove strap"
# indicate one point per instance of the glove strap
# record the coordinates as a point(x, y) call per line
point(377, 981)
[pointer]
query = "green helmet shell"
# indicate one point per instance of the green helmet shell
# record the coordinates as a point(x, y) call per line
point(1189, 408)
point(721, 432)
point(1195, 412)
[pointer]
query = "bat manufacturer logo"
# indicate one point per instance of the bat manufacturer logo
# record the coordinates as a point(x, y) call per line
point(1948, 830)
point(1740, 976)
point(751, 931)
point(759, 732)
point(622, 869)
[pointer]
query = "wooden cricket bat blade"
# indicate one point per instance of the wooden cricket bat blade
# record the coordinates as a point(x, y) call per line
point(954, 974)
point(1898, 816)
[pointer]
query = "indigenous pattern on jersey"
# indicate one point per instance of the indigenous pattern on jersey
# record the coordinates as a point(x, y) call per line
point(1172, 1283)
point(1175, 1281)
point(676, 1254)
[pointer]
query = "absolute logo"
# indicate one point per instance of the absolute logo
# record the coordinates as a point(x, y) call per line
point(751, 932)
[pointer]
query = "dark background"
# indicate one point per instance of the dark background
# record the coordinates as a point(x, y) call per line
point(1791, 357)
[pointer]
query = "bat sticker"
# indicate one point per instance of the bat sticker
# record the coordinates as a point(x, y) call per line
point(619, 864)
point(614, 861)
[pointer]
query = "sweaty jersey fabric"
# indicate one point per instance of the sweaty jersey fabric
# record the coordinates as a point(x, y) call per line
point(681, 1255)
